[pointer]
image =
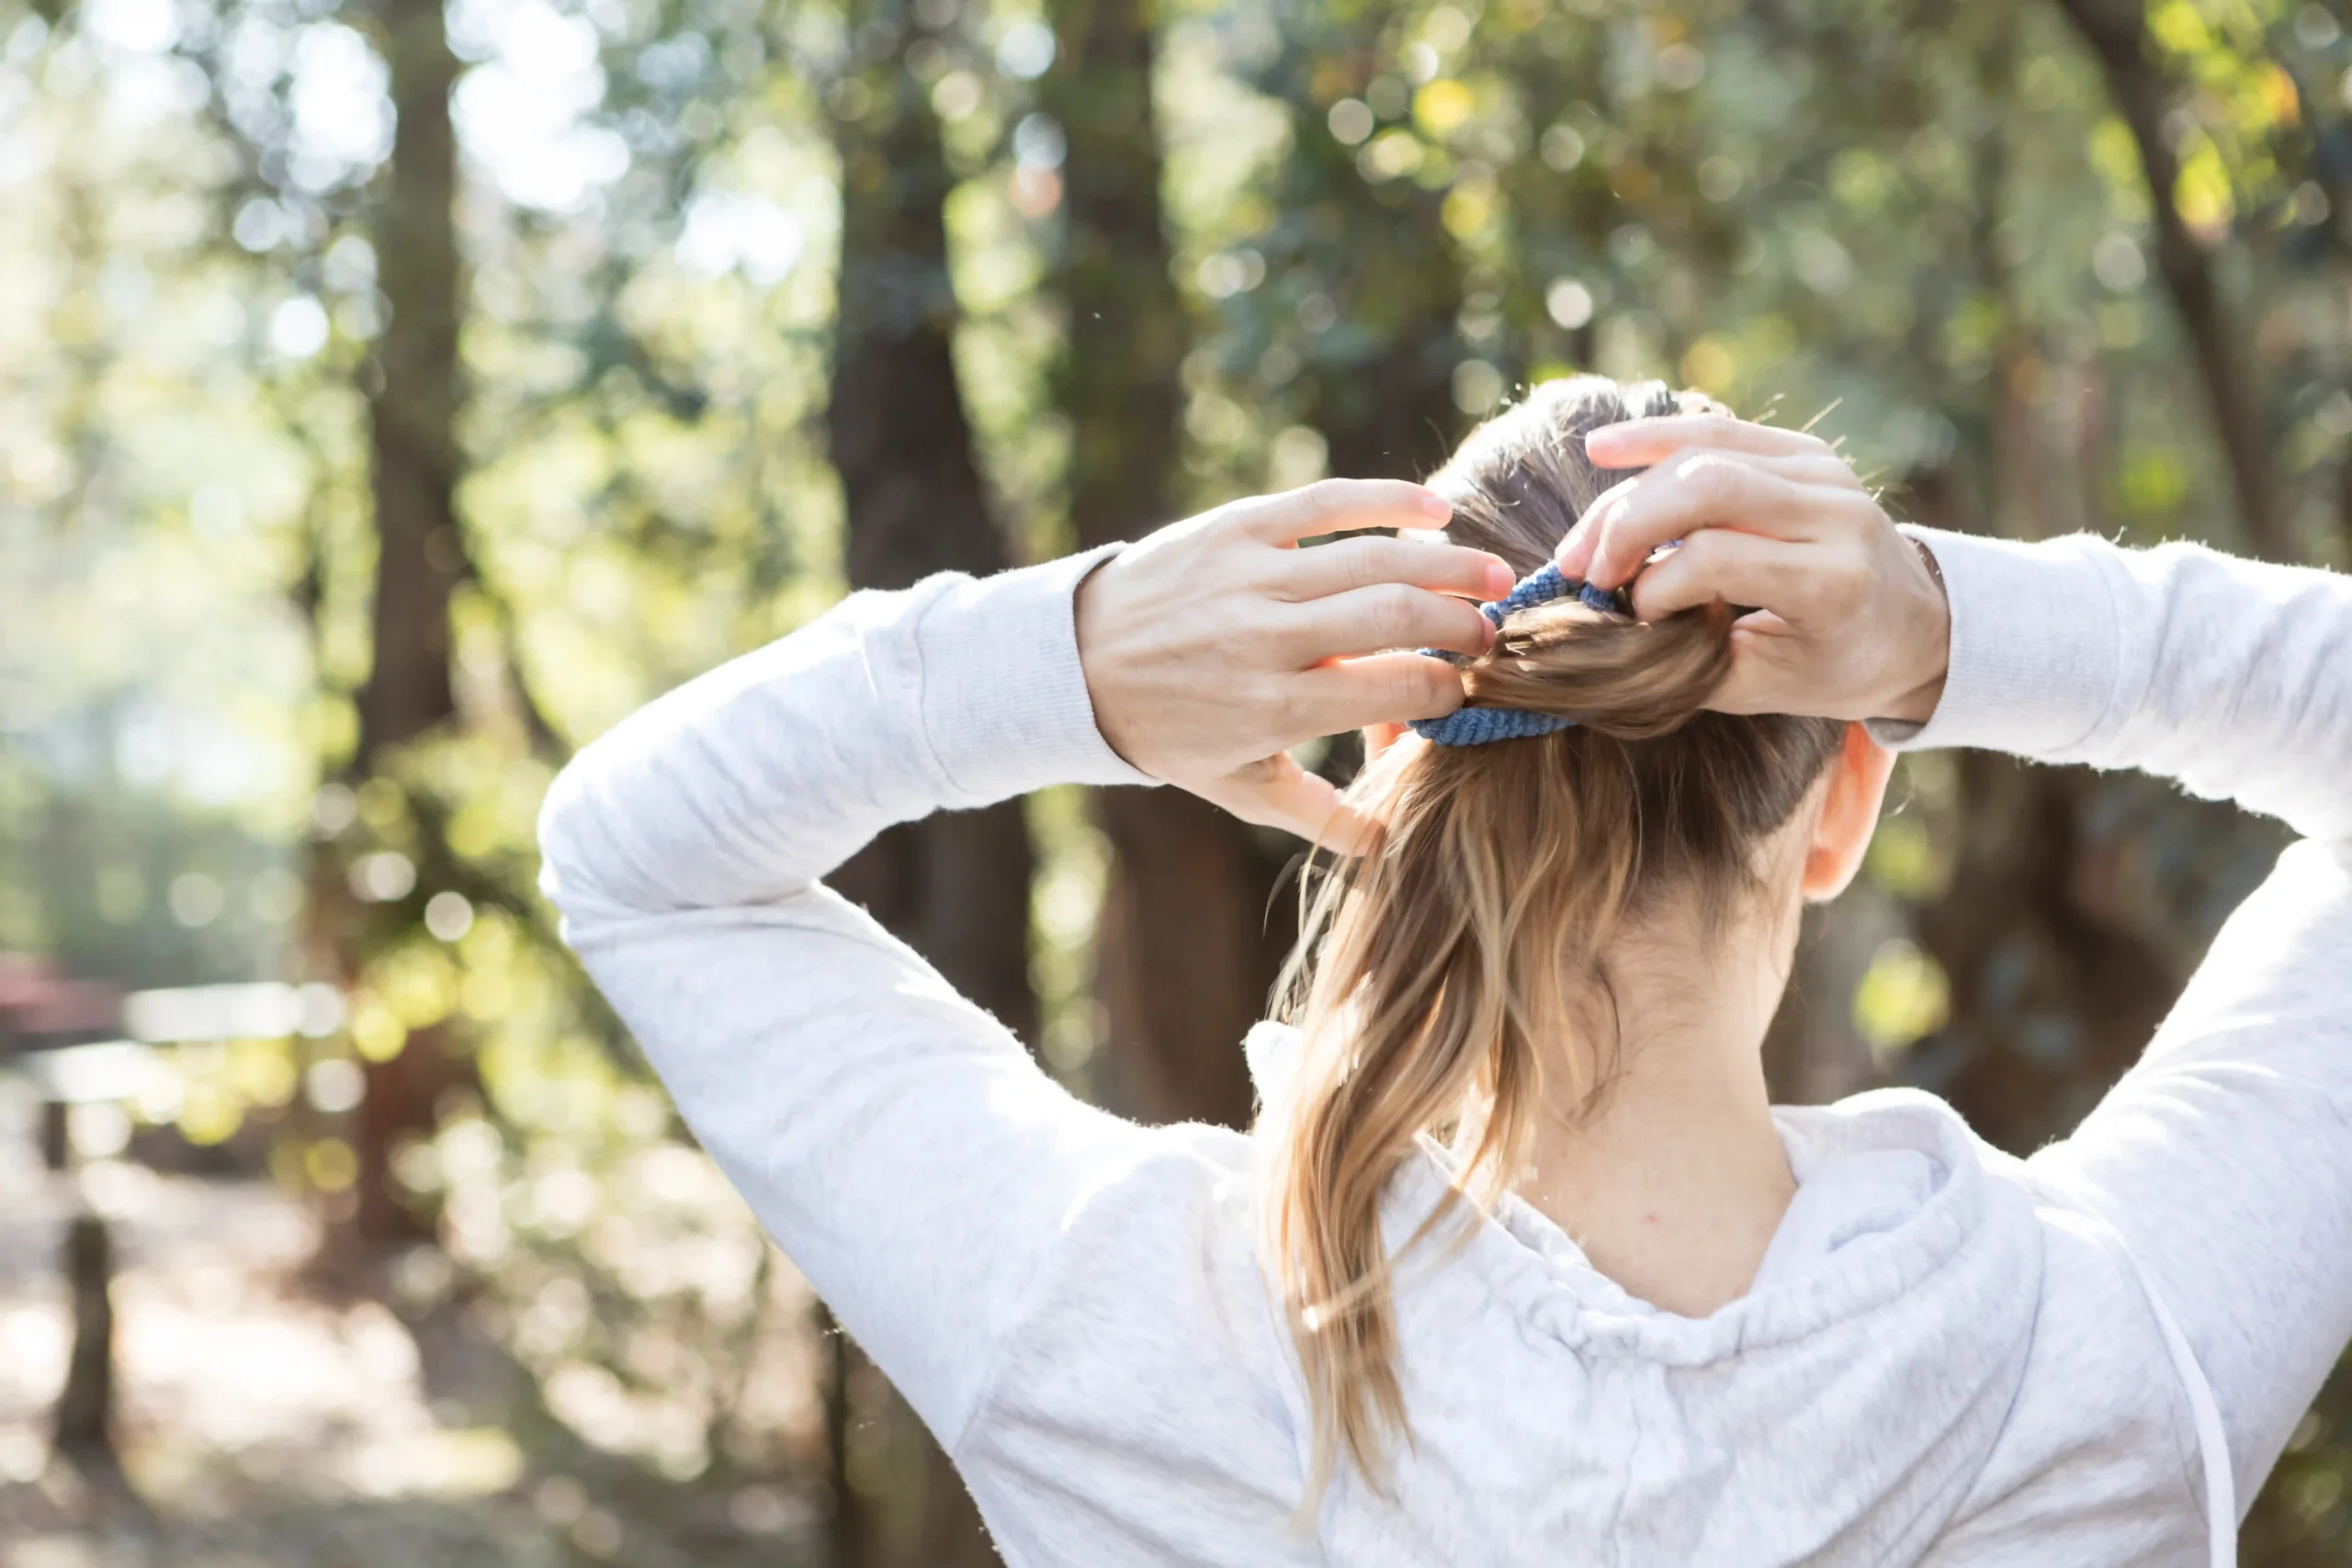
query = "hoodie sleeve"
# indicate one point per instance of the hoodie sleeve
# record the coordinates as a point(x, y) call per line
point(899, 1143)
point(2225, 1156)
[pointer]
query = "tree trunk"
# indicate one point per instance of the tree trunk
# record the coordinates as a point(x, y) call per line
point(2062, 947)
point(84, 1423)
point(413, 401)
point(1394, 416)
point(1187, 950)
point(955, 886)
point(2116, 34)
point(412, 407)
point(1379, 348)
point(2056, 990)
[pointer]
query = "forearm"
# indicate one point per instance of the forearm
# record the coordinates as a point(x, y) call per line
point(764, 775)
point(901, 1146)
point(2231, 676)
point(2221, 1159)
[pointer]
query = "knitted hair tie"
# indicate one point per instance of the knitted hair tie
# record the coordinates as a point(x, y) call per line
point(1469, 726)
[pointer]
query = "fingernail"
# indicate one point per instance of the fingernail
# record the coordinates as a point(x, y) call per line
point(1435, 504)
point(1500, 582)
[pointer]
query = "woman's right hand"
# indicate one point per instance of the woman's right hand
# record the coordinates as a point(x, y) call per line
point(1848, 617)
point(1214, 645)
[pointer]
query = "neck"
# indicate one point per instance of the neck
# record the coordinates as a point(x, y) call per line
point(1675, 1182)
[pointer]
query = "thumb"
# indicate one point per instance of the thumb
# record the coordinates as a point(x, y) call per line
point(1278, 793)
point(1767, 658)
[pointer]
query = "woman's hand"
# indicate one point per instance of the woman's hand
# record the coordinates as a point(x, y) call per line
point(1215, 645)
point(1850, 618)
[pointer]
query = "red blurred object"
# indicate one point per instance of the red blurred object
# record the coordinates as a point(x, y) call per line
point(42, 1006)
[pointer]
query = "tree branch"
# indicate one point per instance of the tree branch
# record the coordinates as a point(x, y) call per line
point(2117, 33)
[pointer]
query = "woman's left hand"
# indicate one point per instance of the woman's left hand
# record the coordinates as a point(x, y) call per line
point(1214, 645)
point(1847, 617)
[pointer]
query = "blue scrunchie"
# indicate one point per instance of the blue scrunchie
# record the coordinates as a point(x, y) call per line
point(1477, 726)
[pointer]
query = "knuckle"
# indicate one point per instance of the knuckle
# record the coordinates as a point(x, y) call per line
point(1700, 478)
point(1698, 559)
point(1289, 708)
point(1325, 496)
point(1428, 690)
point(1243, 516)
point(1237, 623)
point(1862, 510)
point(1841, 584)
point(1850, 579)
point(1257, 775)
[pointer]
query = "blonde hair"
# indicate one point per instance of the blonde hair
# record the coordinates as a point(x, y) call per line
point(1450, 982)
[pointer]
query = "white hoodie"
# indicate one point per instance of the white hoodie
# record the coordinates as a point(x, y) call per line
point(1949, 1357)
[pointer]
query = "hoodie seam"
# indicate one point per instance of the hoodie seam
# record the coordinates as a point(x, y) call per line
point(2008, 1415)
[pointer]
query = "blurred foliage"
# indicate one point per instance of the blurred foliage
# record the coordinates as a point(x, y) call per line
point(1927, 229)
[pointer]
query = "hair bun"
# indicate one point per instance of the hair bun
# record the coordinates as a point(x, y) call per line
point(1632, 679)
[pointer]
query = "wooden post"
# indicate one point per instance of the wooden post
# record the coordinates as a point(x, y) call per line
point(85, 1428)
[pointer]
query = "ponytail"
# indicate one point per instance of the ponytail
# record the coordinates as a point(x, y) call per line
point(1451, 983)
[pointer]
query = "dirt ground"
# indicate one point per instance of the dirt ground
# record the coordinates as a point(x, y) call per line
point(260, 1425)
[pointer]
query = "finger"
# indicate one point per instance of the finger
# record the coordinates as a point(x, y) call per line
point(1346, 564)
point(1704, 491)
point(1779, 672)
point(1736, 568)
point(1382, 688)
point(1373, 620)
point(1637, 443)
point(1768, 663)
point(1330, 506)
point(1758, 625)
point(1576, 550)
point(1697, 469)
point(1278, 793)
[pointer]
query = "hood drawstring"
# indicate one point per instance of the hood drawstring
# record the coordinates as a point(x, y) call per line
point(2212, 1442)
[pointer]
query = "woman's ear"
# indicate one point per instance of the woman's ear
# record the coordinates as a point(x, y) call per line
point(1378, 738)
point(1857, 789)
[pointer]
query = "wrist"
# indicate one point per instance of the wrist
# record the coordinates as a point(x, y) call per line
point(1087, 623)
point(1004, 704)
point(1929, 641)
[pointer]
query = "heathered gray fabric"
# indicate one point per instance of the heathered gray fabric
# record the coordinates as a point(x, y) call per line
point(1949, 1359)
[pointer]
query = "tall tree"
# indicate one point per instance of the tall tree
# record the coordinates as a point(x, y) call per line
point(2062, 926)
point(414, 399)
point(2116, 34)
point(1376, 325)
point(1186, 954)
point(955, 886)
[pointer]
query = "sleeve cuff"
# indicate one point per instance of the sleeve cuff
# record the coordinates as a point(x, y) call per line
point(1005, 708)
point(2035, 649)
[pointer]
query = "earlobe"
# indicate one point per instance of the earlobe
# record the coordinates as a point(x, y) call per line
point(1857, 789)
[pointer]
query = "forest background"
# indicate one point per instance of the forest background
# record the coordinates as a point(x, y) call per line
point(394, 393)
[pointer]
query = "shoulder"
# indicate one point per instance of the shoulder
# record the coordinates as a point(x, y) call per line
point(1157, 1253)
point(1150, 1353)
point(2100, 1441)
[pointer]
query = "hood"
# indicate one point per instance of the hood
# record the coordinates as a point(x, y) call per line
point(1837, 1414)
